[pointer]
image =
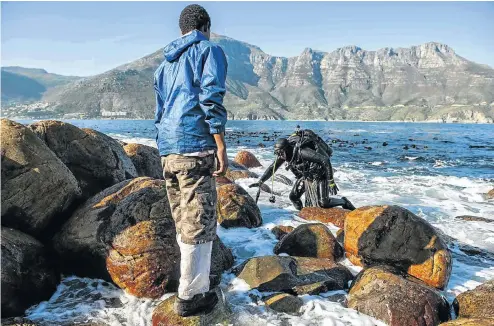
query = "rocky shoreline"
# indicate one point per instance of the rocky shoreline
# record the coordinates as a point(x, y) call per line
point(78, 202)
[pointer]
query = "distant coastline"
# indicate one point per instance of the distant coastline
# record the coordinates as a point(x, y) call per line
point(265, 120)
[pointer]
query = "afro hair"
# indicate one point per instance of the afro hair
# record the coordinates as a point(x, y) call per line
point(193, 17)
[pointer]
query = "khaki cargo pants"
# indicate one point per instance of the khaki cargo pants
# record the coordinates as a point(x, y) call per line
point(192, 195)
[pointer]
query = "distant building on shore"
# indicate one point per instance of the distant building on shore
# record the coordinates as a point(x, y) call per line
point(113, 113)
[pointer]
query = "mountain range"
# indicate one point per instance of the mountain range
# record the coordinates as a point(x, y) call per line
point(424, 82)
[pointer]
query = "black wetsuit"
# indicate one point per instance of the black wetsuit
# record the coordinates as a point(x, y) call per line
point(309, 161)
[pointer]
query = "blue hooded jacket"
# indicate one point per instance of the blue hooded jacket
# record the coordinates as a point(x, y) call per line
point(190, 86)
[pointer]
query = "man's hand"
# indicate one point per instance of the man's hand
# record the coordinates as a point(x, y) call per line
point(222, 157)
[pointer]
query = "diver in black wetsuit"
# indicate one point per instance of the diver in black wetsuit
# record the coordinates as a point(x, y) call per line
point(308, 157)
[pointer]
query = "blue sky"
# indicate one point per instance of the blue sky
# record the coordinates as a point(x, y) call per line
point(87, 38)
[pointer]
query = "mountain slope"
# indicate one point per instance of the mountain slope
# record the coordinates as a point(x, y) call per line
point(428, 81)
point(27, 84)
point(20, 88)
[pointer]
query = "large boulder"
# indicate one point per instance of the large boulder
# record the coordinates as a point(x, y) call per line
point(391, 235)
point(164, 314)
point(380, 293)
point(28, 272)
point(126, 234)
point(476, 303)
point(146, 160)
point(85, 241)
point(310, 240)
point(247, 159)
point(236, 208)
point(284, 273)
point(36, 186)
point(334, 215)
point(96, 160)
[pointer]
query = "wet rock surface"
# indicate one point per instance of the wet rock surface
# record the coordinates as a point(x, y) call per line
point(96, 160)
point(381, 293)
point(310, 240)
point(391, 235)
point(236, 208)
point(31, 173)
point(28, 272)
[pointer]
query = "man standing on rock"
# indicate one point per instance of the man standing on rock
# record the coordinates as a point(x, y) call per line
point(190, 120)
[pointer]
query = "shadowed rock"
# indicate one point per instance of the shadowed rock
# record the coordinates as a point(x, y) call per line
point(476, 303)
point(325, 215)
point(236, 208)
point(391, 235)
point(380, 293)
point(284, 302)
point(247, 159)
point(310, 240)
point(146, 160)
point(28, 273)
point(36, 186)
point(284, 273)
point(96, 160)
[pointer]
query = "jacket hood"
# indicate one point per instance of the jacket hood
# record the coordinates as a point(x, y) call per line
point(173, 50)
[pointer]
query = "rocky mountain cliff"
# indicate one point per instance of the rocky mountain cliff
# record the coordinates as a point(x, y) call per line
point(425, 82)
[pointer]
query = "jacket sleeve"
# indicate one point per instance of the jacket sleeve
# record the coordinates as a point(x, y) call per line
point(213, 88)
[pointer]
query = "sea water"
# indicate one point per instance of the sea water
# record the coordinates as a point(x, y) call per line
point(437, 171)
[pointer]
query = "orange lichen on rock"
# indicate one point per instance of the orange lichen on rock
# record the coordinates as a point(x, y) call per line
point(325, 215)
